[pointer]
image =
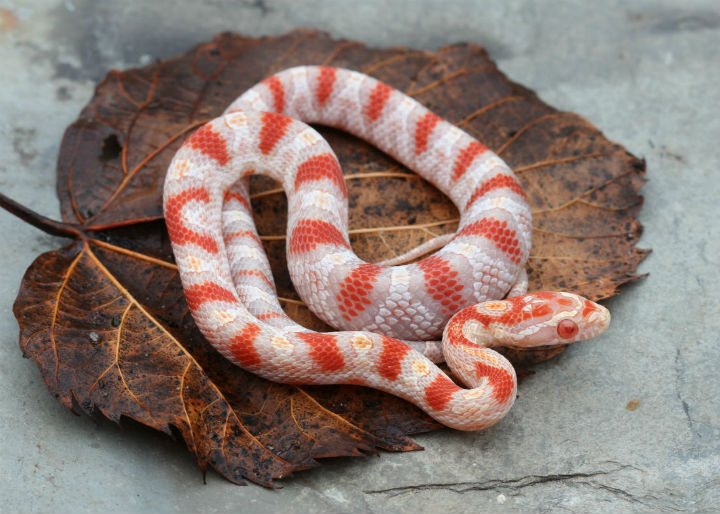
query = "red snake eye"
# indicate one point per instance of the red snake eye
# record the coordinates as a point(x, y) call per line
point(567, 328)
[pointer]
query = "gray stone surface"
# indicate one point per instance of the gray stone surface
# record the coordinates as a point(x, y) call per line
point(645, 72)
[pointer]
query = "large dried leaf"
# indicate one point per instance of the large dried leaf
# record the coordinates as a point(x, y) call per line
point(111, 331)
point(105, 317)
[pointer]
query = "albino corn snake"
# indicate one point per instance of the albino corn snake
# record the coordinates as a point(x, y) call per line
point(230, 289)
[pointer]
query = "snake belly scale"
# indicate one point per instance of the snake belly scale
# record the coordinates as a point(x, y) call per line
point(385, 312)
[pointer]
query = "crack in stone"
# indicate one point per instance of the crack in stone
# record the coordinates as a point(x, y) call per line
point(517, 484)
point(616, 491)
point(678, 383)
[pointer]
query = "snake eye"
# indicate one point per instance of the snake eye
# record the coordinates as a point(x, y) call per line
point(567, 328)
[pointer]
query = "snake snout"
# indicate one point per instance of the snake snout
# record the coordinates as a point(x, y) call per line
point(597, 320)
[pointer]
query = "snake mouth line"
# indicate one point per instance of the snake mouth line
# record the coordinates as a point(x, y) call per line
point(532, 349)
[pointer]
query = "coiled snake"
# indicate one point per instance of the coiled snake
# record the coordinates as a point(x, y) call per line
point(386, 312)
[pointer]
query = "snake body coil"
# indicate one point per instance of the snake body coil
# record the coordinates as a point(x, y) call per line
point(229, 286)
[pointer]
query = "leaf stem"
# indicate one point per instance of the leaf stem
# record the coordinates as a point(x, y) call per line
point(52, 227)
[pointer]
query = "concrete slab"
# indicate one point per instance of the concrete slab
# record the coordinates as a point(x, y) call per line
point(645, 72)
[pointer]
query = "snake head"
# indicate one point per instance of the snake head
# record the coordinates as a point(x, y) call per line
point(532, 320)
point(550, 318)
